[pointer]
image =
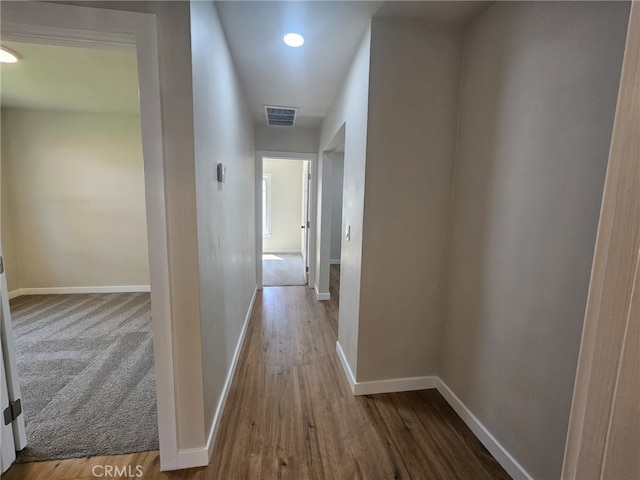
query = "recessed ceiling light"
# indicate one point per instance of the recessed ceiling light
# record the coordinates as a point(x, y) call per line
point(7, 56)
point(293, 39)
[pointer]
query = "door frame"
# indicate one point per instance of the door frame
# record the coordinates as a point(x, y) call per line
point(11, 380)
point(88, 26)
point(313, 160)
point(607, 385)
point(306, 216)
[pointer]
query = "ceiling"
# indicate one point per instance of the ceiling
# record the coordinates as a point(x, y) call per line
point(70, 78)
point(99, 80)
point(308, 77)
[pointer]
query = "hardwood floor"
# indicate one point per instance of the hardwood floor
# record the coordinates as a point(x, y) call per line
point(334, 283)
point(290, 414)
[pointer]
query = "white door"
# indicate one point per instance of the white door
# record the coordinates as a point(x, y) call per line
point(6, 431)
point(10, 371)
point(306, 223)
point(13, 432)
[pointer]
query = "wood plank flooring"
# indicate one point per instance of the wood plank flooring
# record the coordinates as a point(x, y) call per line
point(334, 282)
point(290, 415)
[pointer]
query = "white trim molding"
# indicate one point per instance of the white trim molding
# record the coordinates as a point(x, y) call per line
point(217, 418)
point(384, 386)
point(322, 296)
point(277, 155)
point(347, 369)
point(334, 261)
point(192, 457)
point(502, 456)
point(67, 290)
point(395, 385)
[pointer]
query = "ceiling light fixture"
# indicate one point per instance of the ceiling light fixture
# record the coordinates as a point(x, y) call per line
point(293, 40)
point(7, 56)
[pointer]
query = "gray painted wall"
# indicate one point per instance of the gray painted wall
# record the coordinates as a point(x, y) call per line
point(226, 212)
point(413, 106)
point(538, 96)
point(283, 139)
point(349, 109)
point(337, 171)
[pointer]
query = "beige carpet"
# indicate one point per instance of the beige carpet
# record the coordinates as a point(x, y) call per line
point(282, 269)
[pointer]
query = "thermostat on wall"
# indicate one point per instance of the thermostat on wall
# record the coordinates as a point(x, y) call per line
point(222, 173)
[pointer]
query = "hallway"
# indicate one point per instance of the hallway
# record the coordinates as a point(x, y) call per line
point(290, 414)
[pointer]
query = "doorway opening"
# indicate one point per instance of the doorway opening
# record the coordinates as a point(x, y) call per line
point(75, 241)
point(335, 247)
point(66, 25)
point(286, 218)
point(285, 221)
point(335, 230)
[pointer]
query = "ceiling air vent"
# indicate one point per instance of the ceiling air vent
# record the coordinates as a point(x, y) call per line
point(280, 116)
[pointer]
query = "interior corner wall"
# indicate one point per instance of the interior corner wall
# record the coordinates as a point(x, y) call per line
point(538, 97)
point(413, 110)
point(349, 109)
point(73, 199)
point(287, 139)
point(286, 206)
point(226, 211)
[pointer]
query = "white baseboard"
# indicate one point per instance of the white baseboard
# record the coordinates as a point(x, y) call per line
point(395, 385)
point(384, 386)
point(334, 261)
point(347, 369)
point(193, 457)
point(15, 293)
point(227, 384)
point(321, 296)
point(67, 290)
point(503, 457)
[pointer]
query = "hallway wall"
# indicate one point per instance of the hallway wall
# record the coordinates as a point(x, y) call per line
point(411, 144)
point(538, 96)
point(282, 139)
point(348, 109)
point(337, 185)
point(226, 211)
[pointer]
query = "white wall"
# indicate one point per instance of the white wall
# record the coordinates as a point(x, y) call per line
point(226, 221)
point(284, 139)
point(286, 206)
point(337, 161)
point(538, 97)
point(413, 106)
point(76, 196)
point(349, 108)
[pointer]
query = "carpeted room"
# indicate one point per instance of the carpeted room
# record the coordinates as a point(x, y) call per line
point(75, 248)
